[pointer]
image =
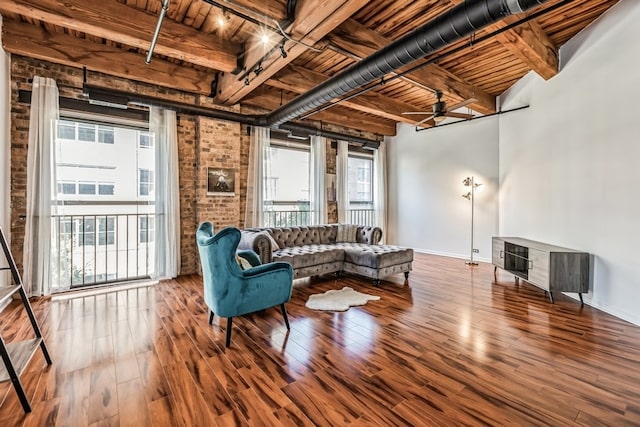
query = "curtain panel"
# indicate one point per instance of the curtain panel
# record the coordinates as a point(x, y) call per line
point(342, 182)
point(40, 240)
point(258, 170)
point(317, 187)
point(162, 123)
point(380, 189)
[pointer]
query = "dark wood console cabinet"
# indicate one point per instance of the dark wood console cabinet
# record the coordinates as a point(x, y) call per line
point(548, 267)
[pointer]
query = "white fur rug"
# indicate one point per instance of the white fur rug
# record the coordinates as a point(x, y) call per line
point(339, 300)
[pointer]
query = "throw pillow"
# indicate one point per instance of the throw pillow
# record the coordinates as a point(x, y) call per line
point(346, 233)
point(243, 263)
point(352, 230)
point(274, 244)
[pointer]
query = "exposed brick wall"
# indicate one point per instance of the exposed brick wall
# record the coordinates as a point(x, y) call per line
point(218, 147)
point(202, 142)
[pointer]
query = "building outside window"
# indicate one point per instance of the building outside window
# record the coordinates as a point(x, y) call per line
point(86, 132)
point(66, 130)
point(106, 189)
point(67, 188)
point(87, 188)
point(147, 229)
point(145, 182)
point(106, 134)
point(145, 140)
point(107, 230)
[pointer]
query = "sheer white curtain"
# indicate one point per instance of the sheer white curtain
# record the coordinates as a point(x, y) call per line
point(342, 180)
point(40, 238)
point(317, 190)
point(380, 188)
point(162, 124)
point(258, 170)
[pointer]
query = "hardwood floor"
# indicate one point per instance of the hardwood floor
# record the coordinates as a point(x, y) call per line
point(451, 348)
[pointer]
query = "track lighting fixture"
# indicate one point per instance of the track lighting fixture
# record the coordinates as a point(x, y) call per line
point(283, 53)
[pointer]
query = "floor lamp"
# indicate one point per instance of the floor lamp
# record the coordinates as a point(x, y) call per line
point(471, 195)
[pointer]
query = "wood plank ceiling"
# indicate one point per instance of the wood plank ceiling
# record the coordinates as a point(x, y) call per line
point(204, 41)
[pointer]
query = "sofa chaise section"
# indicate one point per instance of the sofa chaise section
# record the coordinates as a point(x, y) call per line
point(314, 251)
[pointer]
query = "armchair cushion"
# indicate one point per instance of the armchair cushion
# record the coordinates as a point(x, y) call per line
point(247, 259)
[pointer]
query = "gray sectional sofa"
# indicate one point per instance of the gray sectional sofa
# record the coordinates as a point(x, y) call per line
point(332, 248)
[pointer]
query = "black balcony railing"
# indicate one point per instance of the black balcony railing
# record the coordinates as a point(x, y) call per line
point(293, 218)
point(287, 218)
point(361, 216)
point(103, 248)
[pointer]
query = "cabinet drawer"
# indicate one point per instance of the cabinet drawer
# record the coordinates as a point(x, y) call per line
point(497, 252)
point(539, 268)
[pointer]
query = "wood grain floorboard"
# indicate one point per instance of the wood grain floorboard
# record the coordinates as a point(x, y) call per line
point(453, 346)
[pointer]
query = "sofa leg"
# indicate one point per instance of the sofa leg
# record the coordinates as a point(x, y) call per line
point(406, 275)
point(211, 317)
point(376, 282)
point(286, 318)
point(229, 321)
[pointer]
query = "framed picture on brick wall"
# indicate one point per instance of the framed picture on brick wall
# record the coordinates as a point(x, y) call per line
point(221, 181)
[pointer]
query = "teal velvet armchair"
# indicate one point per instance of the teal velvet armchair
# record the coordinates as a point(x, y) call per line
point(230, 291)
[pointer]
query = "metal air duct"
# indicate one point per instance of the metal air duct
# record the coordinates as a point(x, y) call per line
point(458, 22)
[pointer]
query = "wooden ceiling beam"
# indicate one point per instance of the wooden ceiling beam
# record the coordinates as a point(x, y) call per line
point(530, 44)
point(300, 80)
point(360, 41)
point(264, 11)
point(36, 42)
point(270, 99)
point(123, 24)
point(314, 20)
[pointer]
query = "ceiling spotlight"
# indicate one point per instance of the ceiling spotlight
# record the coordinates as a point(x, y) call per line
point(264, 38)
point(258, 69)
point(223, 18)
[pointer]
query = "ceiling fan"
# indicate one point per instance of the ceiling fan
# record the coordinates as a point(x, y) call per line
point(441, 112)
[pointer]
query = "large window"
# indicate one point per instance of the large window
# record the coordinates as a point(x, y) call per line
point(287, 185)
point(360, 179)
point(105, 199)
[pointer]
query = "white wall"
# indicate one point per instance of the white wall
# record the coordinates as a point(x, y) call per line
point(5, 145)
point(426, 209)
point(568, 163)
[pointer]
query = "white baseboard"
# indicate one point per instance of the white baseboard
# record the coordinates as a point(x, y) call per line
point(629, 317)
point(450, 255)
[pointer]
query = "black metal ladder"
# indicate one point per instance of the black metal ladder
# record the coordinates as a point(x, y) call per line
point(16, 355)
